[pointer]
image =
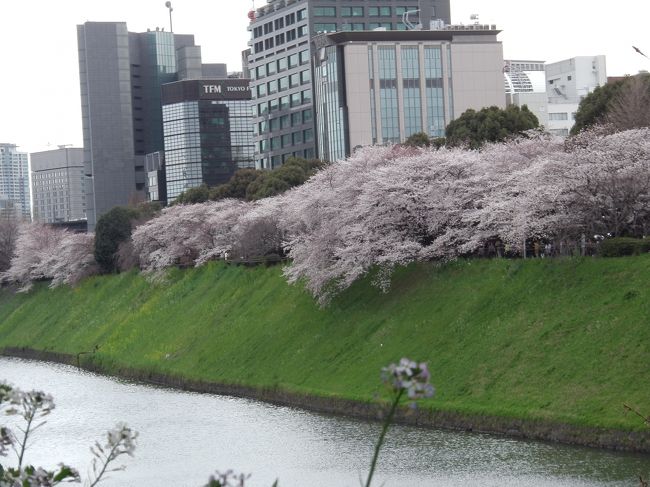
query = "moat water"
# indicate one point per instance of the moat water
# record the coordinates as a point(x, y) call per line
point(184, 437)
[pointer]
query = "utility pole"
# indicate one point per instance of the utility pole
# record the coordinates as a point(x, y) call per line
point(169, 6)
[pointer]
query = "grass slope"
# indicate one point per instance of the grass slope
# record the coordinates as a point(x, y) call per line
point(562, 340)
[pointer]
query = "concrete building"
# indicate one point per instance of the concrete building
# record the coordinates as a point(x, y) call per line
point(420, 80)
point(14, 181)
point(525, 84)
point(567, 83)
point(208, 132)
point(57, 185)
point(279, 63)
point(121, 74)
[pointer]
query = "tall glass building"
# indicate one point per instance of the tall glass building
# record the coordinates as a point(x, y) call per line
point(121, 75)
point(208, 132)
point(14, 181)
point(380, 87)
point(279, 63)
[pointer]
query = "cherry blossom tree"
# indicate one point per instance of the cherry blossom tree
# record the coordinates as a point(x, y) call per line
point(44, 252)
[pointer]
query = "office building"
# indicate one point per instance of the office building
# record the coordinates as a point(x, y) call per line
point(279, 63)
point(208, 133)
point(121, 74)
point(57, 185)
point(14, 181)
point(567, 83)
point(379, 87)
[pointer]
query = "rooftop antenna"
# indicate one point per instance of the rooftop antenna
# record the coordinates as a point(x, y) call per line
point(169, 6)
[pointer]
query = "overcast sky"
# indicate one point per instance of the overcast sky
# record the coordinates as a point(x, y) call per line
point(39, 79)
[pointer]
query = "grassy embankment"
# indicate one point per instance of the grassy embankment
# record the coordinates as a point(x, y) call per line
point(560, 340)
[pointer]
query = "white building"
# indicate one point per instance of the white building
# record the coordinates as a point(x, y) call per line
point(525, 84)
point(14, 179)
point(553, 91)
point(567, 83)
point(57, 185)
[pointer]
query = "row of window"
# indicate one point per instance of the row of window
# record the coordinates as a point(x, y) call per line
point(280, 39)
point(279, 23)
point(284, 102)
point(283, 83)
point(281, 64)
point(276, 161)
point(333, 26)
point(285, 121)
point(359, 11)
point(561, 116)
point(287, 140)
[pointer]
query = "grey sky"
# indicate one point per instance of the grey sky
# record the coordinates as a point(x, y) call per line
point(39, 81)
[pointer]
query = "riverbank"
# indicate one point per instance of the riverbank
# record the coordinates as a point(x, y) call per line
point(545, 349)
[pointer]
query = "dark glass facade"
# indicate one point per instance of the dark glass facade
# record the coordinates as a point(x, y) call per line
point(208, 132)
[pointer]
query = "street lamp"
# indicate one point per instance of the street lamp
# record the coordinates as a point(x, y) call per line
point(169, 6)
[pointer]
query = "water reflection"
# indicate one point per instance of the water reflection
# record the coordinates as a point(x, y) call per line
point(185, 436)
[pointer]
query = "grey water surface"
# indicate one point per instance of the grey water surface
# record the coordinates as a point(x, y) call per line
point(184, 437)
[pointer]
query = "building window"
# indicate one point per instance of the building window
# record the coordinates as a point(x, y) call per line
point(279, 39)
point(306, 96)
point(434, 91)
point(282, 64)
point(290, 19)
point(302, 31)
point(294, 80)
point(351, 11)
point(304, 56)
point(411, 90)
point(301, 14)
point(324, 11)
point(279, 23)
point(271, 68)
point(291, 35)
point(354, 26)
point(558, 116)
point(379, 11)
point(378, 25)
point(293, 60)
point(305, 76)
point(268, 27)
point(389, 108)
point(402, 10)
point(329, 27)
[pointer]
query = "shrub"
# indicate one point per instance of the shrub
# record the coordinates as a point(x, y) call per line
point(620, 246)
point(113, 228)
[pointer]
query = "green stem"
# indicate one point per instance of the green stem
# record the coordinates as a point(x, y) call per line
point(384, 429)
point(23, 445)
point(109, 459)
